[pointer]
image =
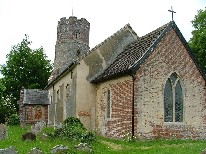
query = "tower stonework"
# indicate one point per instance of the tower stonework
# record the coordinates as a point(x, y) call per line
point(72, 42)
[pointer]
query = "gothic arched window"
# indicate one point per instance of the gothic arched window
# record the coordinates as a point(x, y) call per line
point(173, 100)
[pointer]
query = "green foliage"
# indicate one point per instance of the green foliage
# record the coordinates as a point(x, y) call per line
point(73, 129)
point(13, 120)
point(2, 89)
point(73, 122)
point(197, 42)
point(7, 108)
point(24, 68)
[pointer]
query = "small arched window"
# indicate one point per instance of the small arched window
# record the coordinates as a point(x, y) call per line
point(108, 106)
point(77, 35)
point(173, 100)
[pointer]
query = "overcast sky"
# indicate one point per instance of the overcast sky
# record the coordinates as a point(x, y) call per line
point(39, 18)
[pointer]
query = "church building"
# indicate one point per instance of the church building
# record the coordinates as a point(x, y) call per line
point(151, 86)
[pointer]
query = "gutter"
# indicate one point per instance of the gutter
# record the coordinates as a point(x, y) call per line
point(132, 74)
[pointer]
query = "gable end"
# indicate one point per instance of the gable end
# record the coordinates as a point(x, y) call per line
point(132, 69)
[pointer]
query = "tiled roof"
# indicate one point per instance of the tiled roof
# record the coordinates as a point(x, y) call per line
point(131, 54)
point(36, 96)
point(127, 26)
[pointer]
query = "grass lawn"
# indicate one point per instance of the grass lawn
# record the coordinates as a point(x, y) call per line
point(105, 145)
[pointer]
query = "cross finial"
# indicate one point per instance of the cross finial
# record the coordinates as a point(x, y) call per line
point(172, 12)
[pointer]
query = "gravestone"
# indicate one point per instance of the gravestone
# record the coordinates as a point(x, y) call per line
point(204, 151)
point(37, 128)
point(3, 132)
point(10, 150)
point(59, 149)
point(58, 126)
point(35, 151)
point(29, 136)
point(84, 147)
point(44, 136)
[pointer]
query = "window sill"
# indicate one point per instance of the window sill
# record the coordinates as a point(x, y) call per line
point(174, 123)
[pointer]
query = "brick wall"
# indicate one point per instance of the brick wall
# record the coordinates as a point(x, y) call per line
point(170, 56)
point(28, 114)
point(119, 125)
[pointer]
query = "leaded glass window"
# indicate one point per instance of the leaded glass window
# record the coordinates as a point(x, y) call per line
point(173, 100)
point(108, 104)
point(168, 102)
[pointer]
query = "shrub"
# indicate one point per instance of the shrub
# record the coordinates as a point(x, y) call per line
point(13, 120)
point(73, 122)
point(73, 129)
point(6, 109)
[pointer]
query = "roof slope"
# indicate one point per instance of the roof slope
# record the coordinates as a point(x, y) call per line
point(103, 55)
point(35, 96)
point(131, 54)
point(134, 55)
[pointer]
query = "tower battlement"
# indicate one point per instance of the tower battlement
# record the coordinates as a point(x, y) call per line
point(73, 29)
point(72, 43)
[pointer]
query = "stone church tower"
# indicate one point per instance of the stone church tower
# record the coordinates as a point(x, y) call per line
point(72, 42)
point(71, 47)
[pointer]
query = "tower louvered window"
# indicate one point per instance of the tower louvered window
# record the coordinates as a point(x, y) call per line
point(173, 100)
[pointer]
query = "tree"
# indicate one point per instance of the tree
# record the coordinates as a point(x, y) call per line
point(2, 89)
point(6, 107)
point(198, 40)
point(24, 68)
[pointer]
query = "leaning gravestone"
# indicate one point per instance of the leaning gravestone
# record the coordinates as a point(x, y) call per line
point(10, 150)
point(35, 151)
point(37, 128)
point(3, 132)
point(59, 149)
point(84, 147)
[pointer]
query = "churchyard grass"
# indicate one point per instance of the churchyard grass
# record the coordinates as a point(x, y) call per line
point(23, 147)
point(105, 145)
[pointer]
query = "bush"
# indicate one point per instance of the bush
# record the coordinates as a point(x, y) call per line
point(13, 120)
point(73, 129)
point(72, 121)
point(6, 109)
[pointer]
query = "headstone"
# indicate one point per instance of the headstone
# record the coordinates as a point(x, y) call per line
point(83, 147)
point(10, 150)
point(29, 136)
point(35, 151)
point(58, 126)
point(44, 136)
point(37, 128)
point(59, 149)
point(3, 132)
point(23, 125)
point(204, 151)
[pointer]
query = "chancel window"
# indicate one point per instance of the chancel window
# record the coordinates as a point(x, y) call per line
point(173, 100)
point(108, 108)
